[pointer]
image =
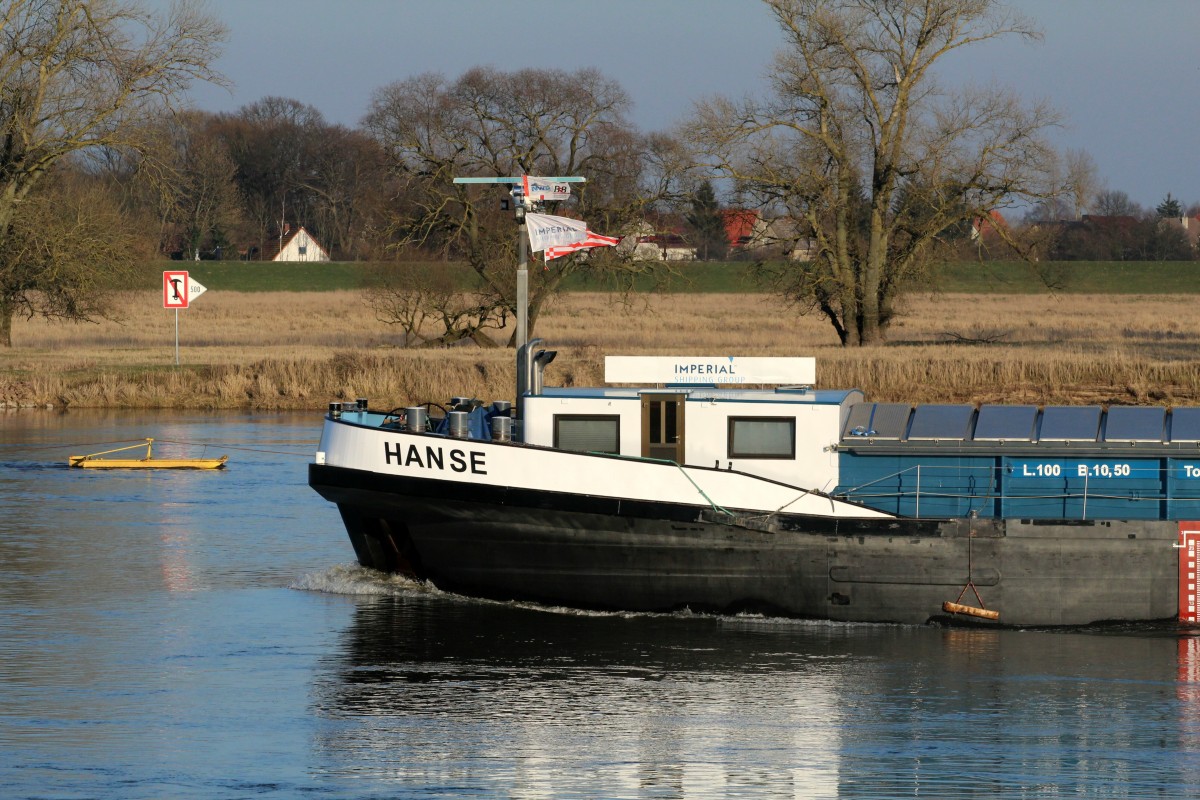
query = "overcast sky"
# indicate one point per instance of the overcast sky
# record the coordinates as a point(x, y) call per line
point(1122, 72)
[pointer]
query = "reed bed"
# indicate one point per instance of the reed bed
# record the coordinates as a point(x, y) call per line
point(301, 350)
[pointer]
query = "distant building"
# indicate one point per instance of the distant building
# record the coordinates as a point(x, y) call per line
point(751, 234)
point(748, 233)
point(295, 245)
point(642, 241)
point(1123, 223)
point(740, 225)
point(787, 236)
point(669, 246)
point(989, 229)
point(1189, 225)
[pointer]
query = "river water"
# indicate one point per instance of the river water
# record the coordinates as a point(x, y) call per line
point(206, 635)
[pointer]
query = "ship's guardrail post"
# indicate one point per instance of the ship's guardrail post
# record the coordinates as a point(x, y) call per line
point(1085, 488)
point(918, 509)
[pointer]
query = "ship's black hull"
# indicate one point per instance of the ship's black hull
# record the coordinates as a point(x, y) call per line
point(583, 551)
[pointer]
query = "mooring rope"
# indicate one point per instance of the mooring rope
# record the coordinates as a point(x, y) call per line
point(77, 445)
point(312, 445)
point(678, 466)
point(73, 444)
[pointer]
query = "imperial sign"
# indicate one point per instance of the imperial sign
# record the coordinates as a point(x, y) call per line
point(724, 369)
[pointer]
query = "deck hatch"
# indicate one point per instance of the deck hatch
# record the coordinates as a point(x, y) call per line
point(934, 422)
point(1185, 425)
point(1070, 424)
point(1135, 424)
point(858, 420)
point(1006, 423)
point(877, 420)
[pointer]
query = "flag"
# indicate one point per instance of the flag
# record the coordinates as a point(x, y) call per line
point(540, 189)
point(546, 230)
point(592, 240)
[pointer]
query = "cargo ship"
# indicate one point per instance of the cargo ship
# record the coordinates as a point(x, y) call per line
point(732, 485)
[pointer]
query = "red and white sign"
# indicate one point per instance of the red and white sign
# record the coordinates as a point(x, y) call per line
point(179, 290)
point(175, 289)
point(1189, 538)
point(592, 240)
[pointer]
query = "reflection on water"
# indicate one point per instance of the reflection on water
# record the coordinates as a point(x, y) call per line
point(439, 693)
point(183, 635)
point(550, 704)
point(147, 634)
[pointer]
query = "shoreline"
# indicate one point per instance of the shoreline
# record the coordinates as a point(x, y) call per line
point(412, 377)
point(291, 351)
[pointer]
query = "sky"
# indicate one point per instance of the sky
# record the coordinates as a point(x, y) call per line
point(1122, 73)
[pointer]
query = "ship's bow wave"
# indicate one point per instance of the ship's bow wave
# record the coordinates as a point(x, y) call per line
point(352, 579)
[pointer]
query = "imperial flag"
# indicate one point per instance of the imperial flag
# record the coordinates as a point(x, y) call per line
point(546, 230)
point(559, 236)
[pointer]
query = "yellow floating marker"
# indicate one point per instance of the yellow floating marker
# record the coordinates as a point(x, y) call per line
point(94, 461)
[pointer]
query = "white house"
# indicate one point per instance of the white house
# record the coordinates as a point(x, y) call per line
point(299, 245)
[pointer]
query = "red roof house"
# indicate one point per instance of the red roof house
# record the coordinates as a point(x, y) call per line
point(739, 225)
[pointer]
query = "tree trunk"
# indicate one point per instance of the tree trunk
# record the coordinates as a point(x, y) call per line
point(869, 282)
point(7, 310)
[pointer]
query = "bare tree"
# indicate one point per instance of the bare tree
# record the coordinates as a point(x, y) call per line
point(1116, 203)
point(271, 141)
point(415, 296)
point(346, 184)
point(855, 117)
point(77, 75)
point(295, 167)
point(493, 123)
point(186, 175)
point(1082, 180)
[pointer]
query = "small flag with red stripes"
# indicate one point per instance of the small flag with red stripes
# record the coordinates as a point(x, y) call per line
point(592, 240)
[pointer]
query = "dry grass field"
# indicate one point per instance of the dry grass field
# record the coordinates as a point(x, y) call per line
point(301, 350)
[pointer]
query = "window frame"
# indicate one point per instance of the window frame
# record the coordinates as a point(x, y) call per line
point(729, 441)
point(615, 418)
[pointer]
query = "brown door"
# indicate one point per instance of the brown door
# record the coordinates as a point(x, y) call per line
point(662, 426)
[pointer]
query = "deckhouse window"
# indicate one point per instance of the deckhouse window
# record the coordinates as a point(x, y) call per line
point(762, 437)
point(588, 433)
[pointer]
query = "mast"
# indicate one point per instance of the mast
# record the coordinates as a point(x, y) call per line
point(522, 204)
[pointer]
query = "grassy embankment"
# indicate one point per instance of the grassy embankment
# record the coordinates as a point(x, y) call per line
point(299, 336)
